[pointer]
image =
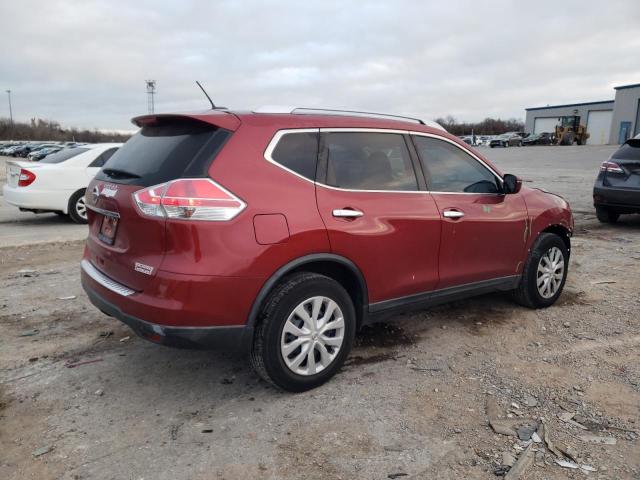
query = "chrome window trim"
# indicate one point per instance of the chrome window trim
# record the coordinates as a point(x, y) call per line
point(106, 213)
point(280, 133)
point(105, 281)
point(268, 153)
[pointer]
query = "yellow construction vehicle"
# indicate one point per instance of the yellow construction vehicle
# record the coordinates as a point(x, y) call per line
point(569, 131)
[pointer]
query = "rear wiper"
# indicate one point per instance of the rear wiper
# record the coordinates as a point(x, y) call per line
point(115, 173)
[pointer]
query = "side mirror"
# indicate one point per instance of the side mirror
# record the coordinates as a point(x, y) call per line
point(511, 183)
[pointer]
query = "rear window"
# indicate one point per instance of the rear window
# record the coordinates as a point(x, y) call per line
point(170, 148)
point(63, 155)
point(628, 151)
point(298, 152)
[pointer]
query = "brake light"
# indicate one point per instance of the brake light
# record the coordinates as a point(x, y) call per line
point(26, 177)
point(189, 199)
point(611, 167)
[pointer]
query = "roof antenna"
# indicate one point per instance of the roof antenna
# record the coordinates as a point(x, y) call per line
point(213, 106)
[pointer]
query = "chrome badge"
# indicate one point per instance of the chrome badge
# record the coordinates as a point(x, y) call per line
point(142, 268)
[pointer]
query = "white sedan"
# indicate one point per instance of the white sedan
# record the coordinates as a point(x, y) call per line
point(58, 182)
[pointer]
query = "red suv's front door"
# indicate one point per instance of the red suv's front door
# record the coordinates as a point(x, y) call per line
point(483, 230)
point(376, 214)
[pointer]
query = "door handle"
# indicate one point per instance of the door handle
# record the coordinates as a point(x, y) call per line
point(347, 213)
point(453, 214)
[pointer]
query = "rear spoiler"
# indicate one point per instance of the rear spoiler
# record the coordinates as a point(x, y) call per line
point(219, 118)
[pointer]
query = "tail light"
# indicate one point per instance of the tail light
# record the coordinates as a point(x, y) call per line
point(611, 167)
point(189, 199)
point(26, 177)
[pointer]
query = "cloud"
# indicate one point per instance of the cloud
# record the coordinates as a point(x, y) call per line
point(84, 63)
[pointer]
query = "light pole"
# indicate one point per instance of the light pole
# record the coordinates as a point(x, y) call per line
point(10, 111)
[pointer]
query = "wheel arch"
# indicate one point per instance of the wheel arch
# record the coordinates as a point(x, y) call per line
point(563, 232)
point(339, 268)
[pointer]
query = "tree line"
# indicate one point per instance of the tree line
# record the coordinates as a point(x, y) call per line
point(488, 126)
point(39, 129)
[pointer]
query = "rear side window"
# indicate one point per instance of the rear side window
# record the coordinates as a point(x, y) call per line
point(103, 157)
point(168, 149)
point(298, 152)
point(629, 151)
point(369, 161)
point(63, 155)
point(450, 169)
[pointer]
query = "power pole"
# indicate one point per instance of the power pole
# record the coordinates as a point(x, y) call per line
point(151, 91)
point(10, 110)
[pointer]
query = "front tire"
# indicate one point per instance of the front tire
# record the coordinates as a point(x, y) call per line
point(545, 272)
point(606, 215)
point(77, 207)
point(305, 332)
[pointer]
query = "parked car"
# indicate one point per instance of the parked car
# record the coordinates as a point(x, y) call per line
point(43, 152)
point(58, 182)
point(617, 188)
point(509, 139)
point(8, 151)
point(538, 139)
point(283, 234)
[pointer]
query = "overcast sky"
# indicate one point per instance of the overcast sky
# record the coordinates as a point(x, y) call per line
point(84, 62)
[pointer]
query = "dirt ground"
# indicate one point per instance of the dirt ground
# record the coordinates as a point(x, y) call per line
point(82, 398)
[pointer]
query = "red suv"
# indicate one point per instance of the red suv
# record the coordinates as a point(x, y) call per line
point(283, 233)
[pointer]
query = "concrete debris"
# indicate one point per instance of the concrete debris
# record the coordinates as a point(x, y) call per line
point(41, 451)
point(597, 439)
point(536, 438)
point(530, 401)
point(508, 459)
point(568, 451)
point(99, 392)
point(567, 417)
point(543, 431)
point(70, 297)
point(567, 464)
point(525, 432)
point(525, 460)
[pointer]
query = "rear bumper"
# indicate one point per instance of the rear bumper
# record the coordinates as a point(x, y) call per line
point(625, 198)
point(27, 198)
point(170, 321)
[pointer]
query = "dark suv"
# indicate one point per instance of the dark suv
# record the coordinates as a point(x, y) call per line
point(283, 233)
point(617, 188)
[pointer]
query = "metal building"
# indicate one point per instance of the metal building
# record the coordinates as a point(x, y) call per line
point(607, 121)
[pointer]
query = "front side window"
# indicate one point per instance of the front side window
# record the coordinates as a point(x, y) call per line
point(369, 161)
point(450, 169)
point(298, 152)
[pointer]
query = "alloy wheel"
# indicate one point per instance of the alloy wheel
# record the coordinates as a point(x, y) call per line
point(312, 336)
point(81, 208)
point(550, 272)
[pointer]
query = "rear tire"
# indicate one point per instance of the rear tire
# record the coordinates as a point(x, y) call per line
point(77, 207)
point(545, 272)
point(273, 356)
point(606, 215)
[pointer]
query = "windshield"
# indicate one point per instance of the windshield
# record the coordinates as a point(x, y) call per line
point(63, 155)
point(629, 151)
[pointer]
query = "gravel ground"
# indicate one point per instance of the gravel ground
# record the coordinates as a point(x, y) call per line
point(411, 400)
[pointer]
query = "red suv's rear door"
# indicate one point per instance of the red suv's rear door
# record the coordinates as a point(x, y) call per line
point(375, 212)
point(125, 244)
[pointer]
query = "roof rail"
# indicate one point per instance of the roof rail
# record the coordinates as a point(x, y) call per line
point(355, 113)
point(351, 113)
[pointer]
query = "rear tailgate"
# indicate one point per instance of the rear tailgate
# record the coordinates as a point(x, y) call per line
point(628, 159)
point(123, 243)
